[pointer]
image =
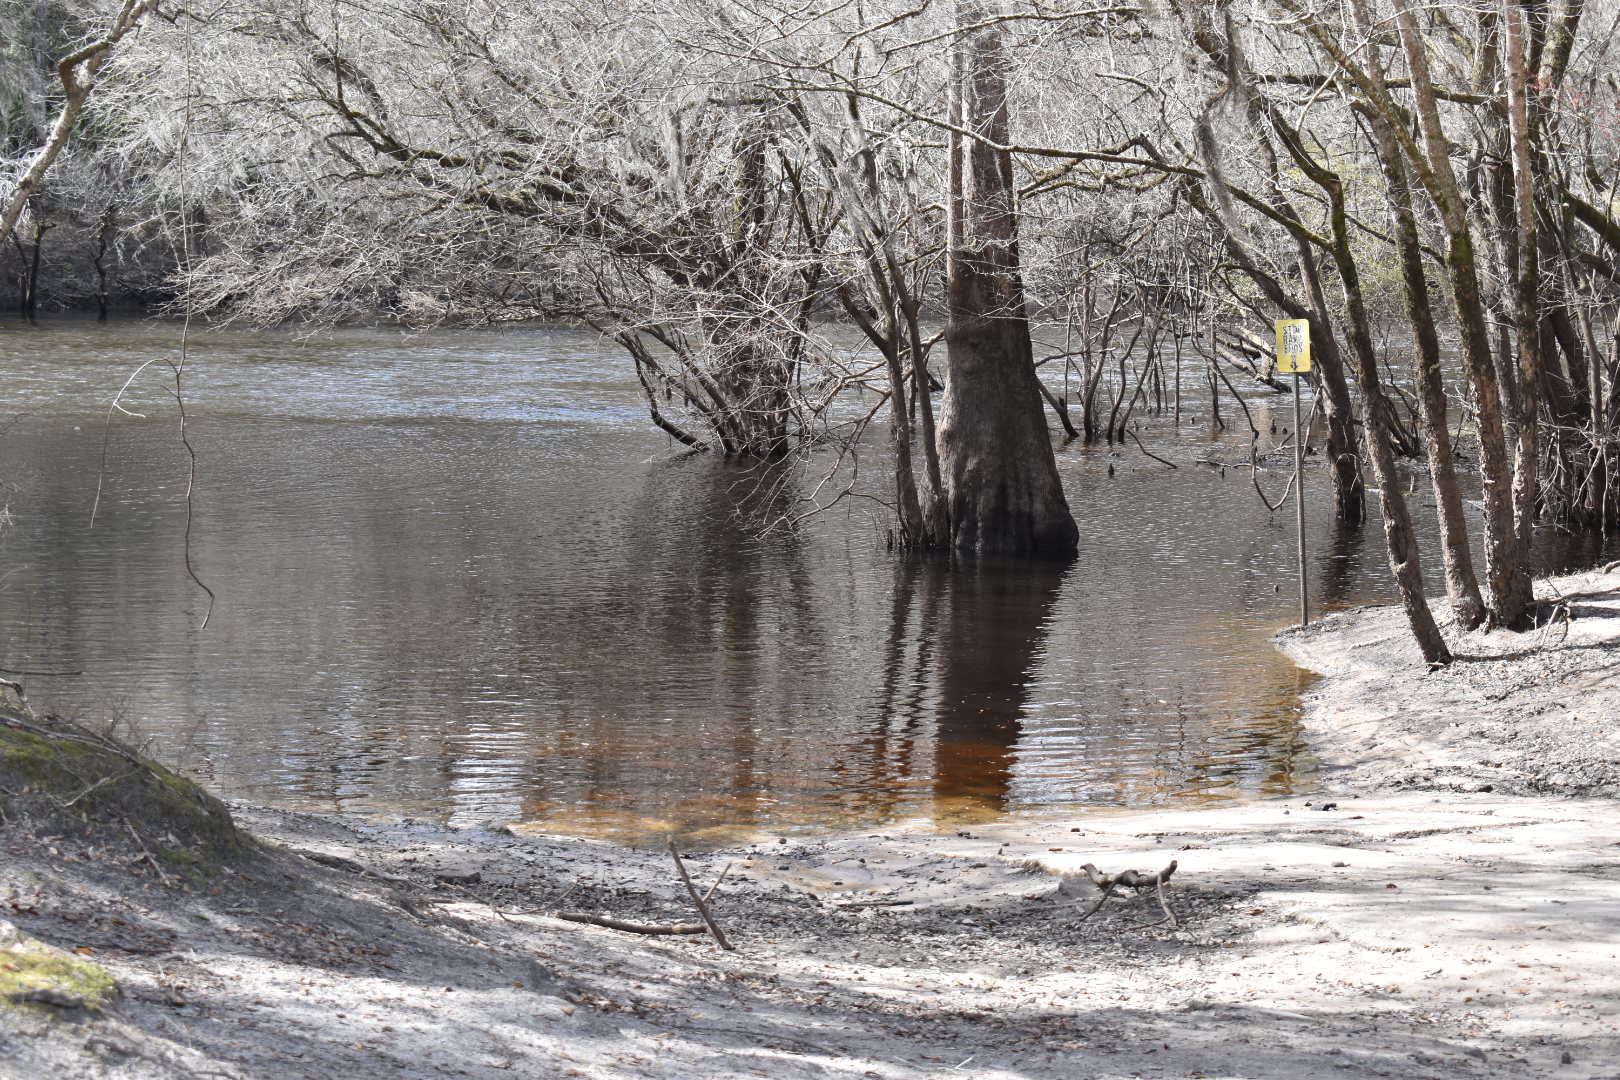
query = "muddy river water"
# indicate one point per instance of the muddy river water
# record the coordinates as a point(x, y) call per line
point(459, 577)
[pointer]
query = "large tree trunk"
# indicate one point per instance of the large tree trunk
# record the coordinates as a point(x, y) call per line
point(1001, 485)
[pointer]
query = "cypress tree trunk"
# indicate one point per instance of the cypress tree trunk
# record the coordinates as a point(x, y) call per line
point(1002, 491)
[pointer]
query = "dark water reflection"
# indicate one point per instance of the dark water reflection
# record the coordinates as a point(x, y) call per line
point(458, 577)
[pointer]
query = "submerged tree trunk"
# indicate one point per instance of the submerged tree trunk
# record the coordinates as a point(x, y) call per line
point(104, 235)
point(891, 288)
point(1001, 485)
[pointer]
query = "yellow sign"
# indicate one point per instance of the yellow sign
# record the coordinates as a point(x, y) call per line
point(1293, 346)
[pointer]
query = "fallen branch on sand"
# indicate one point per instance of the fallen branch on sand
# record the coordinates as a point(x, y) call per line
point(702, 906)
point(630, 927)
point(676, 929)
point(1130, 879)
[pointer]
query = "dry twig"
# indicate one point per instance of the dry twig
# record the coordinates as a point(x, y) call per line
point(717, 881)
point(147, 854)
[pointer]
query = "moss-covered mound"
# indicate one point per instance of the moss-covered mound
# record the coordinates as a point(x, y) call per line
point(58, 777)
point(35, 974)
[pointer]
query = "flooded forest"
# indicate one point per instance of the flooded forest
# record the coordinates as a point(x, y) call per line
point(720, 416)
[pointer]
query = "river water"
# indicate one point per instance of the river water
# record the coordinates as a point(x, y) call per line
point(459, 577)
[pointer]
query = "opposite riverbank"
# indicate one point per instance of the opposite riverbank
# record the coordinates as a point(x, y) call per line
point(1444, 906)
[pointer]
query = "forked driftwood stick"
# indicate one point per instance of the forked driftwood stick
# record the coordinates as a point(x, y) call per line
point(703, 908)
point(1129, 879)
point(629, 927)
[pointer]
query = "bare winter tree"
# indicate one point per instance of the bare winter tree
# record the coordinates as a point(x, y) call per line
point(698, 208)
point(1281, 121)
point(706, 184)
point(78, 71)
point(52, 59)
point(472, 162)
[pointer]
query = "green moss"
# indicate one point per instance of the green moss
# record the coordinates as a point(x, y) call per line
point(30, 966)
point(40, 761)
point(66, 779)
point(182, 859)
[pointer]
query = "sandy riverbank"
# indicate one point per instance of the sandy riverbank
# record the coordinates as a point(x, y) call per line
point(1448, 905)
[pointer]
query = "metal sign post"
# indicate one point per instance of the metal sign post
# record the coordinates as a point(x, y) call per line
point(1294, 357)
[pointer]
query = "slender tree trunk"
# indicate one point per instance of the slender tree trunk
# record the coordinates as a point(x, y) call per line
point(1002, 490)
point(1504, 555)
point(1399, 542)
point(22, 272)
point(1527, 307)
point(913, 525)
point(1462, 585)
point(30, 305)
point(1349, 494)
point(936, 517)
point(104, 234)
point(1376, 411)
